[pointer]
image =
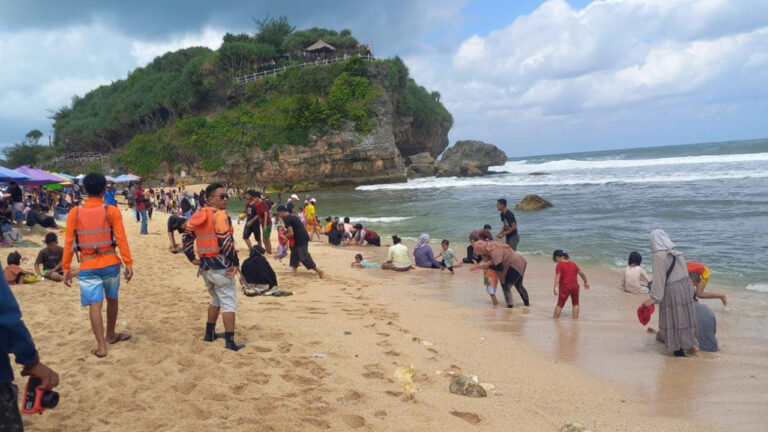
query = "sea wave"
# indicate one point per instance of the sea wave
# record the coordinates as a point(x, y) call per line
point(759, 287)
point(565, 180)
point(381, 220)
point(526, 166)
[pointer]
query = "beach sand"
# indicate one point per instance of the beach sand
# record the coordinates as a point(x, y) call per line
point(324, 359)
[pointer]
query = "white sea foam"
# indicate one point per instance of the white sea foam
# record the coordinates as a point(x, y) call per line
point(568, 179)
point(525, 167)
point(759, 287)
point(381, 220)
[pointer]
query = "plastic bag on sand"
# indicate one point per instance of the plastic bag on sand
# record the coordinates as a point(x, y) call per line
point(404, 376)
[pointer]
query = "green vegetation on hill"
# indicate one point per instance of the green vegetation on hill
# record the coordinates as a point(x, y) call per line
point(184, 110)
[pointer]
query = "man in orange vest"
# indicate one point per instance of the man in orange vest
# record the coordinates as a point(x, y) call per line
point(210, 230)
point(94, 231)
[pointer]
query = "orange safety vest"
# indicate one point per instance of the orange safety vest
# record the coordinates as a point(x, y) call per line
point(206, 240)
point(93, 233)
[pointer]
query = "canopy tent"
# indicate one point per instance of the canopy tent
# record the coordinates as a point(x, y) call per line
point(66, 176)
point(38, 177)
point(9, 175)
point(80, 177)
point(320, 46)
point(127, 178)
point(110, 178)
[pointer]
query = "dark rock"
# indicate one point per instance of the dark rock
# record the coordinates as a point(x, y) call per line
point(470, 159)
point(467, 386)
point(421, 165)
point(538, 173)
point(533, 202)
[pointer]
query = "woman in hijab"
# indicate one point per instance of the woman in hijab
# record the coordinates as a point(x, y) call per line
point(673, 291)
point(423, 254)
point(508, 264)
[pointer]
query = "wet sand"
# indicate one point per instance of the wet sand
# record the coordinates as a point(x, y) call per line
point(325, 358)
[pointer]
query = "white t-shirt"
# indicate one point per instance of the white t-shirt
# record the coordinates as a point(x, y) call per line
point(635, 280)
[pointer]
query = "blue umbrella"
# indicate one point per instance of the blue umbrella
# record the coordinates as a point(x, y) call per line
point(9, 175)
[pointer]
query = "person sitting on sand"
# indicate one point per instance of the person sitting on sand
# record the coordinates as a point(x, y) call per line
point(210, 230)
point(38, 215)
point(566, 283)
point(96, 231)
point(328, 225)
point(336, 235)
point(635, 280)
point(699, 274)
point(362, 236)
point(361, 263)
point(446, 256)
point(14, 274)
point(50, 258)
point(258, 276)
point(398, 258)
point(508, 265)
point(176, 224)
point(423, 254)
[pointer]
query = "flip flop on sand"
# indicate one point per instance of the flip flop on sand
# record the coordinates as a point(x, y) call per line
point(96, 353)
point(119, 338)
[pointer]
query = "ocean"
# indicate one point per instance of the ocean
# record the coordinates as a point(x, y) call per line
point(711, 198)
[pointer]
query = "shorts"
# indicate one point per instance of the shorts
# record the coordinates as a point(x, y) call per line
point(562, 297)
point(301, 254)
point(268, 231)
point(222, 289)
point(513, 241)
point(94, 283)
point(254, 229)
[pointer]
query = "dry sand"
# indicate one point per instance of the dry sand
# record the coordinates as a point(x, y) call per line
point(367, 323)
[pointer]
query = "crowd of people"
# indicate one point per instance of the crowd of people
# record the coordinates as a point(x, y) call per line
point(96, 237)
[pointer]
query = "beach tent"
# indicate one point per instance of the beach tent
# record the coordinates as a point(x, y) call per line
point(80, 177)
point(124, 178)
point(110, 178)
point(9, 175)
point(66, 176)
point(38, 177)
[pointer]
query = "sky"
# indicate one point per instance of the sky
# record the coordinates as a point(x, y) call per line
point(532, 77)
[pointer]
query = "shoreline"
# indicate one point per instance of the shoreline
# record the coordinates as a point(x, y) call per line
point(277, 382)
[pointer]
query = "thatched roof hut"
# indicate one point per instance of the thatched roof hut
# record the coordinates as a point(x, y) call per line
point(320, 46)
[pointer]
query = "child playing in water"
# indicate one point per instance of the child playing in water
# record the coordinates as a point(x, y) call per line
point(361, 263)
point(446, 257)
point(566, 283)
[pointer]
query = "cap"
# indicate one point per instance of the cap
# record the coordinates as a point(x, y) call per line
point(644, 313)
point(282, 208)
point(312, 200)
point(294, 196)
point(50, 238)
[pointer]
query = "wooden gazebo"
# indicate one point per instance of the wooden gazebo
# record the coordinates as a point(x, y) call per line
point(320, 47)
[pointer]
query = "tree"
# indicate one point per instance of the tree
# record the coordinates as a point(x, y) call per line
point(273, 31)
point(33, 136)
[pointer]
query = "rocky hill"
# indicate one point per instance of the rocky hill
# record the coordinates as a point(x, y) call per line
point(351, 122)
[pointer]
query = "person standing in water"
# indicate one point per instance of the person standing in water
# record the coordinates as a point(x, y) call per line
point(509, 232)
point(566, 283)
point(508, 264)
point(672, 290)
point(95, 230)
point(210, 230)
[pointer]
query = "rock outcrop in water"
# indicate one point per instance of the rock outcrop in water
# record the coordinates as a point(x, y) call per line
point(421, 165)
point(470, 159)
point(533, 202)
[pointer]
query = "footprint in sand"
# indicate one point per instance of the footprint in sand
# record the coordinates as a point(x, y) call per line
point(258, 378)
point(380, 414)
point(260, 349)
point(299, 380)
point(322, 424)
point(354, 421)
point(392, 353)
point(468, 417)
point(352, 396)
point(373, 375)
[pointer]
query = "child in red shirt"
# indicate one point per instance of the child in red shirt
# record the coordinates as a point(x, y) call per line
point(567, 282)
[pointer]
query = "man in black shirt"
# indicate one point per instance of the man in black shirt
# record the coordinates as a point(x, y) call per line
point(510, 224)
point(176, 223)
point(300, 249)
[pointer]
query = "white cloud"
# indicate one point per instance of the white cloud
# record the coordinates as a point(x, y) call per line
point(145, 52)
point(613, 61)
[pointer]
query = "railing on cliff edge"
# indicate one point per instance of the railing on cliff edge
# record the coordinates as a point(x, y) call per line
point(79, 156)
point(260, 75)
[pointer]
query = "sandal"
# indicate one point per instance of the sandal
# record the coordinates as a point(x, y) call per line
point(119, 338)
point(96, 353)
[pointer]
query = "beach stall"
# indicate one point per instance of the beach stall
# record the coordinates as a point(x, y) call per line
point(125, 178)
